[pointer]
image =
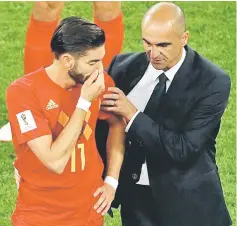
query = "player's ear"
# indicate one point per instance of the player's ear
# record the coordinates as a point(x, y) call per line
point(67, 60)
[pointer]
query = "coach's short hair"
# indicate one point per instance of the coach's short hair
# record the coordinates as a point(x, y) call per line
point(75, 35)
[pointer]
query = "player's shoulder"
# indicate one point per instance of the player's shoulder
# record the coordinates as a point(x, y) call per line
point(108, 80)
point(26, 83)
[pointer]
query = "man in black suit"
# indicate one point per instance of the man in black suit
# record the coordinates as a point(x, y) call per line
point(172, 99)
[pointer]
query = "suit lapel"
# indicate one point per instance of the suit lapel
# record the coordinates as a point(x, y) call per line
point(134, 73)
point(184, 91)
point(184, 76)
point(174, 102)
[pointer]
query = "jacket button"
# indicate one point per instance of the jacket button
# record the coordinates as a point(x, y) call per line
point(139, 143)
point(134, 176)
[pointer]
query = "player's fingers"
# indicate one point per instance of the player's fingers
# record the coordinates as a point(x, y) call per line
point(102, 206)
point(100, 201)
point(100, 79)
point(106, 209)
point(101, 68)
point(98, 191)
point(92, 77)
point(99, 83)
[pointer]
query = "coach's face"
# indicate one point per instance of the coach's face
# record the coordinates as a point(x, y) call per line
point(163, 44)
point(86, 64)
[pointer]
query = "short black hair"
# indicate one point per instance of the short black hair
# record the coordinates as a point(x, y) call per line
point(75, 35)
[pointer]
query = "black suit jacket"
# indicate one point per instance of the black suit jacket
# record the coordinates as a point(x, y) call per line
point(179, 143)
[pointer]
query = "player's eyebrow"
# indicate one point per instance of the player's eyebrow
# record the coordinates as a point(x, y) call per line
point(94, 61)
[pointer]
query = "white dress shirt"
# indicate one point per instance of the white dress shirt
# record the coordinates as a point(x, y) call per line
point(141, 93)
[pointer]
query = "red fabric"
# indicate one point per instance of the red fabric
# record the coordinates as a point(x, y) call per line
point(46, 198)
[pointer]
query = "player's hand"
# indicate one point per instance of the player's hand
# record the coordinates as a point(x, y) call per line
point(100, 67)
point(93, 86)
point(47, 11)
point(107, 194)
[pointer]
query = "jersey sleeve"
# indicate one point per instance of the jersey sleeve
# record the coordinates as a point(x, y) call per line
point(25, 116)
point(114, 36)
point(108, 83)
point(37, 44)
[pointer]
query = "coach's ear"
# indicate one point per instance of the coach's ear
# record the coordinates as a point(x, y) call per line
point(185, 38)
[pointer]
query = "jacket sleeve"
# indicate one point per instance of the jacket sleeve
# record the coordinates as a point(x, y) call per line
point(198, 128)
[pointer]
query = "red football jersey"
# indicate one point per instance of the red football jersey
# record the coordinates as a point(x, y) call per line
point(37, 106)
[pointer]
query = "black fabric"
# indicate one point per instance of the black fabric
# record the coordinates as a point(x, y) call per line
point(157, 94)
point(141, 208)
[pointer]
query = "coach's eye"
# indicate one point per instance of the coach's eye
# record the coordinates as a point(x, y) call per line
point(163, 45)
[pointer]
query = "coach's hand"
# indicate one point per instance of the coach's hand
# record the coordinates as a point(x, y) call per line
point(116, 102)
point(107, 196)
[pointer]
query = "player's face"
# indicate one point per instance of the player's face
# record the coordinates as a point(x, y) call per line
point(85, 65)
point(163, 46)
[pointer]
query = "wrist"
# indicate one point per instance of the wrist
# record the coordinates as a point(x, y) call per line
point(83, 104)
point(111, 181)
point(129, 116)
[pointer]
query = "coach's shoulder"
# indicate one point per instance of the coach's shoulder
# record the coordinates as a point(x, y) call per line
point(122, 61)
point(209, 68)
point(128, 57)
point(219, 80)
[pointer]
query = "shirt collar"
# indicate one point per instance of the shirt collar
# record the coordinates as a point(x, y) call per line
point(172, 71)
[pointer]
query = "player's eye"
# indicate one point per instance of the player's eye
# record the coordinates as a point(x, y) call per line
point(92, 63)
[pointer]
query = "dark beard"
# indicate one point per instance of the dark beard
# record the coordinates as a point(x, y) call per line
point(79, 78)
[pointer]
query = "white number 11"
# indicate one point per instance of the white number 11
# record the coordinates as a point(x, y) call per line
point(83, 158)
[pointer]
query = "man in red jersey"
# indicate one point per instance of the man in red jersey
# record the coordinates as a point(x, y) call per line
point(44, 19)
point(53, 113)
